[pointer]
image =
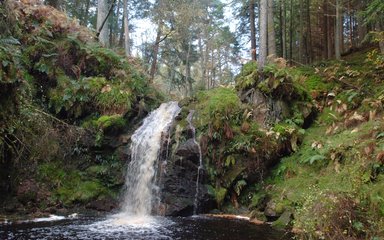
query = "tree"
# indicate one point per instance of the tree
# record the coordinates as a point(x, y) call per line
point(263, 52)
point(271, 31)
point(159, 11)
point(283, 26)
point(374, 15)
point(102, 28)
point(126, 28)
point(338, 30)
point(253, 28)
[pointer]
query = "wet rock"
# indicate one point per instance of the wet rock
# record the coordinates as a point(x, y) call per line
point(105, 204)
point(11, 207)
point(188, 149)
point(255, 214)
point(123, 152)
point(273, 211)
point(27, 191)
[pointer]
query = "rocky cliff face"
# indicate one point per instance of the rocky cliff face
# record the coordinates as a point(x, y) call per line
point(177, 174)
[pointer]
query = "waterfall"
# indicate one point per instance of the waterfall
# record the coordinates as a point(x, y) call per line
point(145, 150)
point(200, 167)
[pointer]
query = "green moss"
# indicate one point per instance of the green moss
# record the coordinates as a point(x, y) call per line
point(222, 101)
point(283, 221)
point(117, 99)
point(69, 185)
point(220, 194)
point(98, 170)
point(106, 123)
point(375, 195)
point(314, 82)
point(82, 191)
point(217, 105)
point(341, 179)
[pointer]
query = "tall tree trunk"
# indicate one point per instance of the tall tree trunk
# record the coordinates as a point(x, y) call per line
point(308, 51)
point(291, 33)
point(116, 30)
point(351, 32)
point(219, 64)
point(330, 35)
point(253, 28)
point(188, 70)
point(206, 57)
point(302, 40)
point(110, 33)
point(202, 62)
point(126, 29)
point(325, 30)
point(381, 42)
point(102, 13)
point(361, 27)
point(213, 69)
point(337, 31)
point(263, 52)
point(271, 31)
point(155, 51)
point(121, 37)
point(283, 23)
point(342, 47)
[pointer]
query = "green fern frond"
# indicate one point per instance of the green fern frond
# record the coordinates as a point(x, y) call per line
point(9, 41)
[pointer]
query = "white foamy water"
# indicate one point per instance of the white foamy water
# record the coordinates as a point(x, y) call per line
point(51, 218)
point(145, 149)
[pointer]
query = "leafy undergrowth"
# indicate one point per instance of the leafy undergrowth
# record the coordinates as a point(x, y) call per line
point(329, 185)
point(333, 184)
point(237, 147)
point(64, 100)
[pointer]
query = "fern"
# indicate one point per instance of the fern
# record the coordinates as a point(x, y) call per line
point(314, 158)
point(239, 186)
point(9, 41)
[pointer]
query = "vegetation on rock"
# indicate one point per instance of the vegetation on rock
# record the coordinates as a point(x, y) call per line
point(53, 78)
point(336, 173)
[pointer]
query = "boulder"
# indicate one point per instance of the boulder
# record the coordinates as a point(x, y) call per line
point(273, 211)
point(105, 204)
point(188, 149)
point(284, 220)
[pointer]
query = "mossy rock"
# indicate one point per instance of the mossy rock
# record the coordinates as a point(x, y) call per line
point(82, 192)
point(256, 214)
point(216, 105)
point(107, 123)
point(284, 220)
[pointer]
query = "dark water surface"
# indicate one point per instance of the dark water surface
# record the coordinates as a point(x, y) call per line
point(204, 228)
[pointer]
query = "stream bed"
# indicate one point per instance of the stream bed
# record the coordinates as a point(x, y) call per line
point(121, 227)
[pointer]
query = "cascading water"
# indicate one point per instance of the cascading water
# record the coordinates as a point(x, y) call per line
point(145, 150)
point(200, 167)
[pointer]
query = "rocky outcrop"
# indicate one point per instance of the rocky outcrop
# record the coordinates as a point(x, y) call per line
point(179, 165)
point(188, 149)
